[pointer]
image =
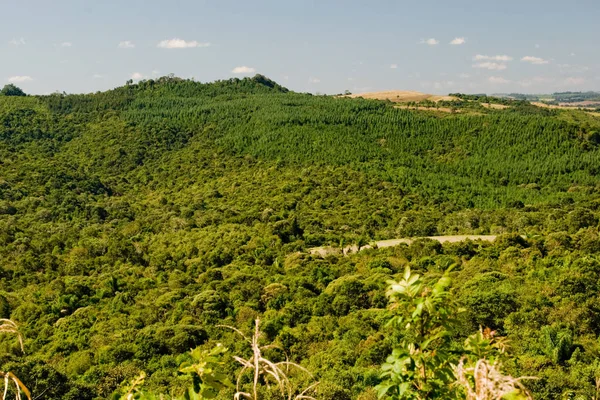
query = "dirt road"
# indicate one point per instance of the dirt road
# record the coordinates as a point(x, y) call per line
point(324, 251)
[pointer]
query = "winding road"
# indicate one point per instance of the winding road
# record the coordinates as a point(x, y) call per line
point(324, 251)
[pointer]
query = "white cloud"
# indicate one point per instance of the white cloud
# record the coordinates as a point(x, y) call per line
point(181, 44)
point(20, 79)
point(575, 81)
point(534, 60)
point(17, 42)
point(497, 80)
point(464, 76)
point(155, 72)
point(458, 41)
point(243, 70)
point(394, 66)
point(314, 80)
point(480, 57)
point(136, 76)
point(126, 44)
point(66, 44)
point(491, 66)
point(572, 68)
point(430, 42)
point(537, 46)
point(98, 76)
point(572, 54)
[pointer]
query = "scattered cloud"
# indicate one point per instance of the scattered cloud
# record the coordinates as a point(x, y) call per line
point(572, 68)
point(464, 76)
point(314, 80)
point(534, 60)
point(493, 66)
point(243, 70)
point(66, 44)
point(98, 76)
point(430, 42)
point(572, 54)
point(136, 76)
point(181, 44)
point(480, 57)
point(574, 81)
point(458, 41)
point(497, 80)
point(394, 66)
point(126, 44)
point(17, 42)
point(20, 79)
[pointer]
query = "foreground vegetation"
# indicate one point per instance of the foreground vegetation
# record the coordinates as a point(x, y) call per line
point(135, 223)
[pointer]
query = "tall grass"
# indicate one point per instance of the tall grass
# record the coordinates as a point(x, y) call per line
point(8, 326)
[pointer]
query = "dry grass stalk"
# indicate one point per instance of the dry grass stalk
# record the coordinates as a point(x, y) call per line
point(489, 382)
point(135, 383)
point(20, 387)
point(261, 366)
point(8, 326)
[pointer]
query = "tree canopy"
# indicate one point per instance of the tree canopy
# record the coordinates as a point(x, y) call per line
point(137, 221)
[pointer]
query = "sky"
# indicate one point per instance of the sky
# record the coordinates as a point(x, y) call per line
point(318, 46)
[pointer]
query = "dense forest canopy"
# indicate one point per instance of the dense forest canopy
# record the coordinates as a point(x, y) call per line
point(134, 222)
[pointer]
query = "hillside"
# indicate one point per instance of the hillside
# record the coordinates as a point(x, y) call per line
point(134, 222)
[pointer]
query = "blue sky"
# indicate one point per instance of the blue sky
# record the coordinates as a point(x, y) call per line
point(323, 46)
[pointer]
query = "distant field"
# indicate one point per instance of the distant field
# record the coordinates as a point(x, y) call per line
point(585, 105)
point(402, 96)
point(494, 106)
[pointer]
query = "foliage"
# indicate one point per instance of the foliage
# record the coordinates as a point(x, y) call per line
point(421, 366)
point(11, 90)
point(425, 365)
point(267, 370)
point(8, 378)
point(134, 221)
point(205, 369)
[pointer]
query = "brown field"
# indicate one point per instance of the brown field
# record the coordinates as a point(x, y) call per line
point(564, 106)
point(590, 111)
point(583, 104)
point(495, 106)
point(544, 105)
point(401, 96)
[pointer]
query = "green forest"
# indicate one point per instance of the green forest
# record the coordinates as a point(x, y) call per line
point(155, 244)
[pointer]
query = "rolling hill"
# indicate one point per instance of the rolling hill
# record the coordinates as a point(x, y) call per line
point(137, 221)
